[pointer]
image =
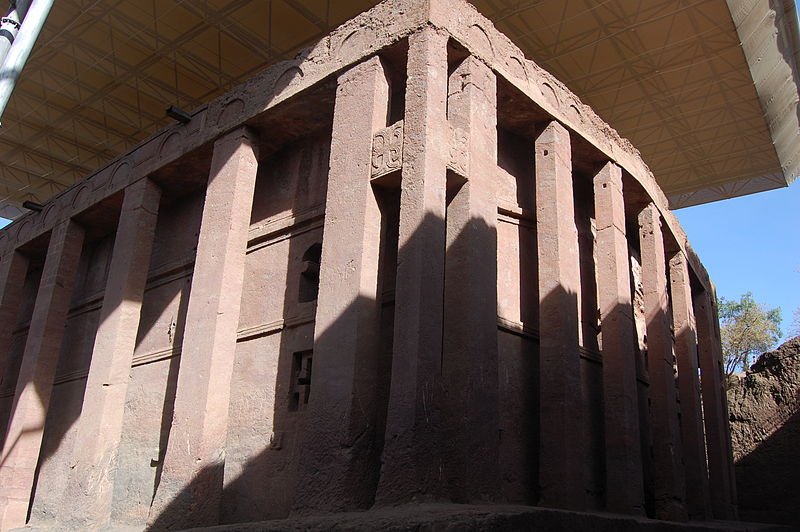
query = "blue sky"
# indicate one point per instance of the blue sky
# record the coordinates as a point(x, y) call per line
point(751, 244)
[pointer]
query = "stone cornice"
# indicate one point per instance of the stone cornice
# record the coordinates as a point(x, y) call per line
point(368, 33)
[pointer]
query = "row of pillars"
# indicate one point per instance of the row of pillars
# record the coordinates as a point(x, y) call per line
point(199, 427)
point(688, 435)
point(441, 436)
point(687, 428)
point(442, 410)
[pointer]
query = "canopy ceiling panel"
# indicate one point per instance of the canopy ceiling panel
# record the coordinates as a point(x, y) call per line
point(706, 89)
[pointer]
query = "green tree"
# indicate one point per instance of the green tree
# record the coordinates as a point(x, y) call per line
point(747, 329)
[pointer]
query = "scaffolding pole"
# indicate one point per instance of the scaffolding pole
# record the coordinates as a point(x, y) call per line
point(22, 44)
point(9, 26)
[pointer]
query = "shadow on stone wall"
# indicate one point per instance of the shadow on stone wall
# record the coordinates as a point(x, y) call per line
point(364, 456)
point(450, 459)
point(765, 429)
point(361, 457)
point(444, 443)
point(55, 458)
point(768, 478)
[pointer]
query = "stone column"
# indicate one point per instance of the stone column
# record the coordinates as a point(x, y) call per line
point(694, 447)
point(715, 411)
point(35, 382)
point(561, 448)
point(668, 478)
point(94, 458)
point(733, 509)
point(341, 410)
point(190, 487)
point(13, 269)
point(412, 455)
point(469, 360)
point(624, 484)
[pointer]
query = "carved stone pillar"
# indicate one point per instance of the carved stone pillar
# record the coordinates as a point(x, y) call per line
point(715, 411)
point(412, 455)
point(35, 382)
point(13, 269)
point(624, 488)
point(469, 359)
point(668, 479)
point(561, 445)
point(341, 410)
point(94, 458)
point(190, 487)
point(694, 446)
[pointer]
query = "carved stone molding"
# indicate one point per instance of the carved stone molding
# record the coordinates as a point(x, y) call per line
point(458, 154)
point(387, 150)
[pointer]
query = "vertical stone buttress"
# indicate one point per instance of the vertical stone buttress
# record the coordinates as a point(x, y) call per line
point(190, 487)
point(733, 509)
point(13, 269)
point(693, 436)
point(561, 451)
point(94, 459)
point(339, 465)
point(412, 456)
point(469, 359)
point(668, 479)
point(624, 484)
point(35, 382)
point(715, 411)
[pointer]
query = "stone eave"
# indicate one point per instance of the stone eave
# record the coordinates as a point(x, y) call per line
point(361, 37)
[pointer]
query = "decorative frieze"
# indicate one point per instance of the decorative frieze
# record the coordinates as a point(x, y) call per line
point(387, 150)
point(458, 154)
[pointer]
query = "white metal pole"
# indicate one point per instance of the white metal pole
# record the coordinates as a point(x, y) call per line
point(9, 26)
point(21, 49)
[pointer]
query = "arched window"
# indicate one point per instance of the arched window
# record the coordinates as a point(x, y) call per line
point(309, 273)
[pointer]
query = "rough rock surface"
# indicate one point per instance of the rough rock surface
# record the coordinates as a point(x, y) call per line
point(456, 517)
point(764, 410)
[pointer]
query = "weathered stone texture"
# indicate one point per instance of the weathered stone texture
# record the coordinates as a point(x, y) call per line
point(560, 469)
point(694, 447)
point(13, 269)
point(669, 479)
point(469, 343)
point(100, 425)
point(412, 457)
point(624, 489)
point(190, 487)
point(765, 430)
point(340, 419)
point(715, 420)
point(394, 269)
point(35, 380)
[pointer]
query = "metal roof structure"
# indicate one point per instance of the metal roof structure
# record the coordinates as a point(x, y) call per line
point(707, 90)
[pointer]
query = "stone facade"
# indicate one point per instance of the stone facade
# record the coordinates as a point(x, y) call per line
point(396, 269)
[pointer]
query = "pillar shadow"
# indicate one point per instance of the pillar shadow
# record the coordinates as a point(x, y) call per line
point(260, 467)
point(272, 373)
point(75, 352)
point(518, 350)
point(19, 337)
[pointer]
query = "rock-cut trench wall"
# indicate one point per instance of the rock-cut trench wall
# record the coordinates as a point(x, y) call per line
point(765, 431)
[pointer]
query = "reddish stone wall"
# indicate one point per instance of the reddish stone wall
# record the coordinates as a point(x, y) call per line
point(388, 283)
